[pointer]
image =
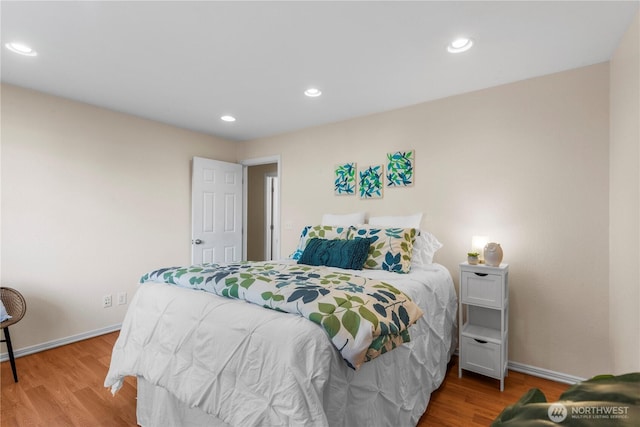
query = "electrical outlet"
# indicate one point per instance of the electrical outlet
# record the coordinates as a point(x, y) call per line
point(106, 301)
point(122, 298)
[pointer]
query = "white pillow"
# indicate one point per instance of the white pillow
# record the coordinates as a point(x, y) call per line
point(343, 220)
point(406, 221)
point(3, 313)
point(424, 247)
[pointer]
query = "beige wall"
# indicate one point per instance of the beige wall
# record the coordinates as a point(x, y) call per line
point(525, 163)
point(91, 199)
point(624, 277)
point(84, 188)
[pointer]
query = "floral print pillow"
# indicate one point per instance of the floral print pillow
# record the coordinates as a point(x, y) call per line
point(391, 248)
point(328, 232)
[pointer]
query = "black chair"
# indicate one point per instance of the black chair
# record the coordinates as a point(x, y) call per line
point(16, 306)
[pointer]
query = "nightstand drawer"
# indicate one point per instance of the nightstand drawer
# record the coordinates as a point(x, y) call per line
point(481, 289)
point(480, 356)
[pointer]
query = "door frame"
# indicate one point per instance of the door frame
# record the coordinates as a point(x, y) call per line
point(271, 214)
point(245, 199)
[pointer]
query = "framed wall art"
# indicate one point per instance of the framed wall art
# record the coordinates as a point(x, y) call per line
point(370, 182)
point(400, 168)
point(345, 179)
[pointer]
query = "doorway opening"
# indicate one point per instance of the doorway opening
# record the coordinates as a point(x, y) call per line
point(262, 212)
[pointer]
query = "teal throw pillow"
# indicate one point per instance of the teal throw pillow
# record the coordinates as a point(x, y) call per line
point(349, 254)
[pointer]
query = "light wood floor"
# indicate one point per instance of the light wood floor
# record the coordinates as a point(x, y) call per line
point(476, 400)
point(64, 387)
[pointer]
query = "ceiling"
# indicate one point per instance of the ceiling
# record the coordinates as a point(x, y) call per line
point(189, 63)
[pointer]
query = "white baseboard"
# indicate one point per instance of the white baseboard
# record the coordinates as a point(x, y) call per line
point(544, 373)
point(540, 372)
point(62, 341)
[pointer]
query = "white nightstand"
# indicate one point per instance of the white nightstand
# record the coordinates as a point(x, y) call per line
point(484, 320)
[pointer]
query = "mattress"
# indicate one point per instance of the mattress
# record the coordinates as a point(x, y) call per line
point(201, 357)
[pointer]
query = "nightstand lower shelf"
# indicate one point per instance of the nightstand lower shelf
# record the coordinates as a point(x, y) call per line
point(482, 333)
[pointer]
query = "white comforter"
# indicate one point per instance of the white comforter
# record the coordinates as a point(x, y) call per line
point(251, 366)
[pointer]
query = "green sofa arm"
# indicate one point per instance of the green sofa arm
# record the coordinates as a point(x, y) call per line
point(602, 401)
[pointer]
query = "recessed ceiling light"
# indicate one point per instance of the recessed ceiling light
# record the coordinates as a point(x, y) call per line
point(460, 45)
point(228, 118)
point(312, 92)
point(21, 49)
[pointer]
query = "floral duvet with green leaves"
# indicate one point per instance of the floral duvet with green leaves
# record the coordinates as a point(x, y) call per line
point(363, 317)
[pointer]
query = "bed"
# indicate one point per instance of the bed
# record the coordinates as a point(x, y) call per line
point(205, 359)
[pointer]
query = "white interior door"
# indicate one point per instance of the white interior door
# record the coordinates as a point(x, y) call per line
point(216, 209)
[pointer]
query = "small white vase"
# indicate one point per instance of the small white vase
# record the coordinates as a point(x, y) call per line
point(493, 254)
point(472, 260)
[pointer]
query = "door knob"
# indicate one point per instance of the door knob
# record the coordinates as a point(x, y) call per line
point(196, 242)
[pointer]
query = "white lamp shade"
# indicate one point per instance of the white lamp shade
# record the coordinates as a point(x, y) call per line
point(478, 243)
